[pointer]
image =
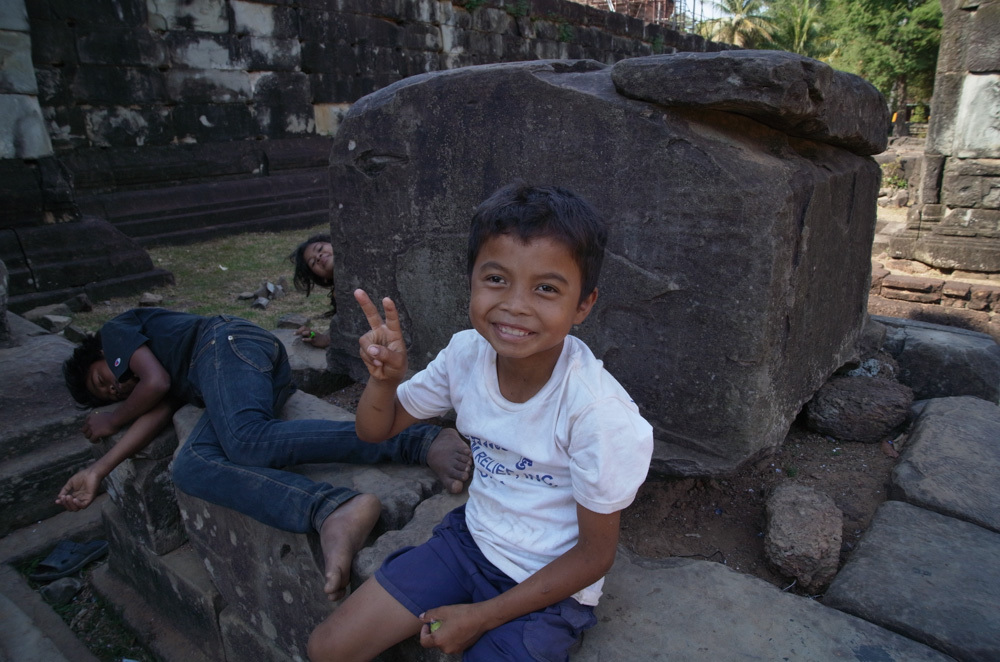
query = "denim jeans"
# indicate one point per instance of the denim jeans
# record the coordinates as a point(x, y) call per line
point(235, 453)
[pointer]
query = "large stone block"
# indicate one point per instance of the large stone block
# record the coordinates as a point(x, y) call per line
point(17, 73)
point(737, 270)
point(794, 94)
point(939, 361)
point(176, 585)
point(977, 127)
point(951, 461)
point(984, 45)
point(22, 134)
point(142, 489)
point(931, 578)
point(272, 579)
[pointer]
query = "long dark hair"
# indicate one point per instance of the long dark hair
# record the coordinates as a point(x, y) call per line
point(305, 278)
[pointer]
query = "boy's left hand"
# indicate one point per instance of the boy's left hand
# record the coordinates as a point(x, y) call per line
point(99, 425)
point(459, 629)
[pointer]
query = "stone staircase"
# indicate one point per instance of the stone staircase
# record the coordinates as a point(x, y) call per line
point(198, 582)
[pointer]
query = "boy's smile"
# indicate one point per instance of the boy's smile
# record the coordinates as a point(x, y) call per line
point(525, 299)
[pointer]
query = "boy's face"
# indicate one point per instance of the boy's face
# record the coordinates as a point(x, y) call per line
point(526, 296)
point(102, 383)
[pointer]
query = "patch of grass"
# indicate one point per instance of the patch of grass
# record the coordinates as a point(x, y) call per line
point(210, 276)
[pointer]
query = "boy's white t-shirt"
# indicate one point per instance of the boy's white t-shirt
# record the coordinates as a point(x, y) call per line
point(580, 439)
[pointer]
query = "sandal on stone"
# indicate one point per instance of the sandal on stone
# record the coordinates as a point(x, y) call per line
point(68, 557)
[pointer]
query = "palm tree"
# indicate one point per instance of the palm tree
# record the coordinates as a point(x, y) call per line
point(743, 26)
point(798, 27)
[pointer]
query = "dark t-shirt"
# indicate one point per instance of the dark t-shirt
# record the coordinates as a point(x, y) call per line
point(170, 335)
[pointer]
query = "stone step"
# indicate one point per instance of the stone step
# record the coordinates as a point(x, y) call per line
point(29, 484)
point(195, 212)
point(36, 410)
point(31, 631)
point(932, 578)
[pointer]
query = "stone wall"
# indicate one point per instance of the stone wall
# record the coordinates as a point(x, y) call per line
point(179, 120)
point(741, 221)
point(956, 222)
point(165, 72)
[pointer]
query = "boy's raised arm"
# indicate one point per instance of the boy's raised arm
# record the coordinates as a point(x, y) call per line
point(380, 415)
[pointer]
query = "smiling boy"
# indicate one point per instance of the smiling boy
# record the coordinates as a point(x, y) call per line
point(559, 449)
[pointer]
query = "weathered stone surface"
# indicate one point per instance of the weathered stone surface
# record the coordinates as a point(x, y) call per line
point(57, 270)
point(308, 364)
point(274, 579)
point(416, 532)
point(5, 336)
point(647, 611)
point(17, 73)
point(144, 493)
point(804, 532)
point(35, 409)
point(951, 461)
point(175, 583)
point(940, 361)
point(795, 94)
point(687, 295)
point(931, 578)
point(864, 409)
point(22, 133)
point(984, 46)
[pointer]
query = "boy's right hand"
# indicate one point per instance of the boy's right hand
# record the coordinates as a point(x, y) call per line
point(80, 490)
point(382, 349)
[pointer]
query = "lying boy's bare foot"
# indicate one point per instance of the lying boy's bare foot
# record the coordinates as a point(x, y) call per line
point(450, 458)
point(343, 533)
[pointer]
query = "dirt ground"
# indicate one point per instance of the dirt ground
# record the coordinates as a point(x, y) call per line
point(723, 519)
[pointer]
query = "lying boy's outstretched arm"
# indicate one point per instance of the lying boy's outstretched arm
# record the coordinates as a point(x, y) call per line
point(149, 391)
point(582, 565)
point(81, 489)
point(379, 414)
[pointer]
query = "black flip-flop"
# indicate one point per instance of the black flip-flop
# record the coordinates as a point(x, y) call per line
point(68, 557)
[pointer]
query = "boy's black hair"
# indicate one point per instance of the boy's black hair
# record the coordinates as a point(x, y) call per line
point(76, 369)
point(305, 278)
point(529, 212)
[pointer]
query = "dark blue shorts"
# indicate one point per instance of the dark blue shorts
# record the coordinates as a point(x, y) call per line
point(449, 569)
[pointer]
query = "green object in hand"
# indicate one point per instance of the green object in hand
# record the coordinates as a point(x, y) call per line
point(312, 334)
point(435, 625)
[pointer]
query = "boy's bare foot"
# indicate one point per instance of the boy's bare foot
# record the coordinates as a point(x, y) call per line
point(343, 533)
point(450, 458)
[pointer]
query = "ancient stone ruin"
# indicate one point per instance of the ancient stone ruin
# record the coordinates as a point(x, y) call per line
point(956, 221)
point(741, 219)
point(133, 123)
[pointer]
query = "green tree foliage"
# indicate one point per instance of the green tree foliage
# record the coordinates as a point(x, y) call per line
point(891, 43)
point(743, 25)
point(799, 27)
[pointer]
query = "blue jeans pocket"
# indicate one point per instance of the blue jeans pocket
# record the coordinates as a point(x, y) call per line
point(254, 346)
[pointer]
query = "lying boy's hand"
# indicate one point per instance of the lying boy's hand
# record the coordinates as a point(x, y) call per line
point(99, 425)
point(79, 491)
point(382, 348)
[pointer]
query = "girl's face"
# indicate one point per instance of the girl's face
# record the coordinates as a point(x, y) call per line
point(319, 259)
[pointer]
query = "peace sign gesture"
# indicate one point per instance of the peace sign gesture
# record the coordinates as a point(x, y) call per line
point(382, 348)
